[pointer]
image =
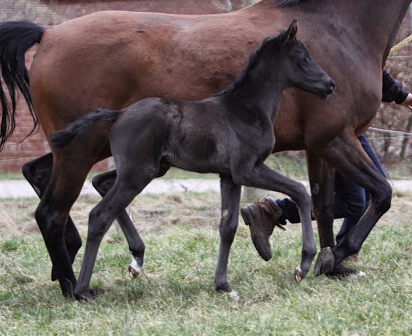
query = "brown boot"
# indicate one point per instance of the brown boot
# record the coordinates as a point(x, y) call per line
point(262, 217)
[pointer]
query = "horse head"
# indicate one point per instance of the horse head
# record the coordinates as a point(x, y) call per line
point(300, 68)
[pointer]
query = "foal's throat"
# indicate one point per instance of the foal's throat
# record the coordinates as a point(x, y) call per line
point(261, 98)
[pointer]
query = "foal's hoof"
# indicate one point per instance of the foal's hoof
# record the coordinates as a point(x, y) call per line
point(325, 261)
point(135, 268)
point(299, 274)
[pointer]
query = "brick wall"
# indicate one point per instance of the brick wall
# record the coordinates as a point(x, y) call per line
point(19, 150)
point(78, 8)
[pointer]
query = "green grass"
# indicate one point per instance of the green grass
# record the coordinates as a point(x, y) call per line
point(176, 297)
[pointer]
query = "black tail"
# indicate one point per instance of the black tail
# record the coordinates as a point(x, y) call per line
point(64, 137)
point(16, 37)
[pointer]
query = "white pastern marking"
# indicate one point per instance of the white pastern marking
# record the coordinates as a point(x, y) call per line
point(135, 269)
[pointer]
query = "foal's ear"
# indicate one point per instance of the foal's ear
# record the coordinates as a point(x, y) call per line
point(292, 30)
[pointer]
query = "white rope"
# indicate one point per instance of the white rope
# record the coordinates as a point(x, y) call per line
point(389, 131)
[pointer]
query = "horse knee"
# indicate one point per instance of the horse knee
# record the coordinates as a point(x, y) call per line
point(302, 198)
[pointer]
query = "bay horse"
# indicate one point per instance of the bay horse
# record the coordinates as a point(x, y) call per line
point(230, 134)
point(112, 59)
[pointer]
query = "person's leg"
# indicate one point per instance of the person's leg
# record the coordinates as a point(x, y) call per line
point(349, 203)
point(368, 149)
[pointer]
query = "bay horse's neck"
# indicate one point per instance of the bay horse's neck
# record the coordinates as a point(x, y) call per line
point(377, 20)
point(371, 24)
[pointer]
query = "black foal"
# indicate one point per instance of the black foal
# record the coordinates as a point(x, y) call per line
point(230, 133)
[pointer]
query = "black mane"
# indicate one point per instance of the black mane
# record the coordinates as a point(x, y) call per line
point(253, 59)
point(286, 3)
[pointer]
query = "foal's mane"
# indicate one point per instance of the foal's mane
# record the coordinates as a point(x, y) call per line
point(253, 59)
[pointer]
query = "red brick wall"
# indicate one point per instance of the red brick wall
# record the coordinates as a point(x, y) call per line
point(78, 8)
point(16, 151)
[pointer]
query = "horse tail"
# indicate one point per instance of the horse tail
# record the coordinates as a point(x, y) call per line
point(65, 136)
point(16, 37)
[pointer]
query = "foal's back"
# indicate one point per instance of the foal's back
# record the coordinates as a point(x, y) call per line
point(191, 135)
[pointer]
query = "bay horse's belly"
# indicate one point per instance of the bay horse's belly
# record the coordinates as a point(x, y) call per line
point(112, 59)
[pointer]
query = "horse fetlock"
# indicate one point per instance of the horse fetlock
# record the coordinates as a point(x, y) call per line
point(300, 274)
point(308, 253)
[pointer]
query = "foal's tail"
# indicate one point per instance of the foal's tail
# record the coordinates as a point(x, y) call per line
point(16, 37)
point(65, 136)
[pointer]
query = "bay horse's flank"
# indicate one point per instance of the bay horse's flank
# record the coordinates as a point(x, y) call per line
point(111, 59)
point(230, 133)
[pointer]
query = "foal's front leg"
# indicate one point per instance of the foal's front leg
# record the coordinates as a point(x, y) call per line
point(230, 198)
point(261, 176)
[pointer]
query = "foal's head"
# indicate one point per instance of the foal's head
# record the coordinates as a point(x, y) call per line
point(295, 64)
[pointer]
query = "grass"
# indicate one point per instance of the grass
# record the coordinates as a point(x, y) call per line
point(176, 297)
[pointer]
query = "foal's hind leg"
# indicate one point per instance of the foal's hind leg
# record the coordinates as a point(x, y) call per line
point(103, 183)
point(230, 194)
point(261, 176)
point(100, 220)
point(37, 173)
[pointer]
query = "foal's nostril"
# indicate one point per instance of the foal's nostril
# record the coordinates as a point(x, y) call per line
point(331, 86)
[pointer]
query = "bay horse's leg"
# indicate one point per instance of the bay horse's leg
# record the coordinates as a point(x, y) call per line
point(38, 173)
point(261, 176)
point(322, 186)
point(120, 195)
point(61, 192)
point(103, 183)
point(347, 155)
point(322, 181)
point(230, 198)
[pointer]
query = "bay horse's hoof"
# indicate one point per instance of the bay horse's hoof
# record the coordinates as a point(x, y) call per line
point(340, 271)
point(135, 268)
point(299, 275)
point(324, 262)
